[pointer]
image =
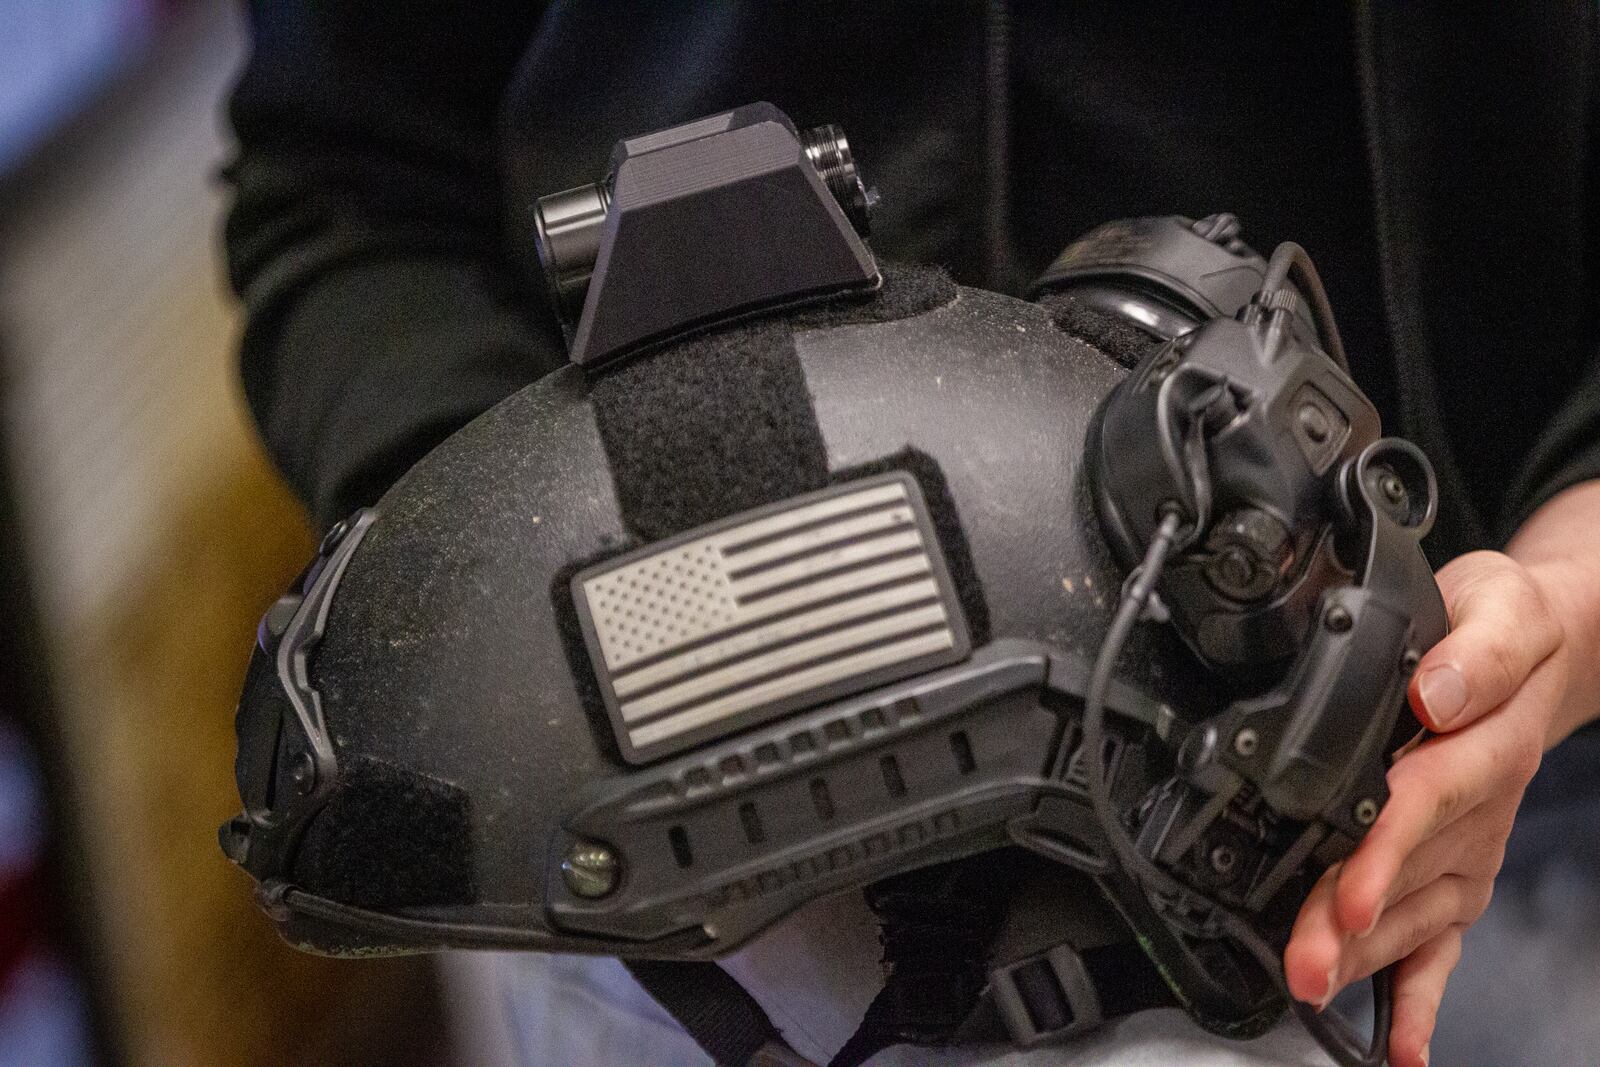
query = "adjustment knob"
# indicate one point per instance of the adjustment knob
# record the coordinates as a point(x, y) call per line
point(1250, 550)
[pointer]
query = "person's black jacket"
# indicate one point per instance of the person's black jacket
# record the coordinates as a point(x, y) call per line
point(1436, 159)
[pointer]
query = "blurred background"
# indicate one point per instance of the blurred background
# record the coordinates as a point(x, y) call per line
point(142, 534)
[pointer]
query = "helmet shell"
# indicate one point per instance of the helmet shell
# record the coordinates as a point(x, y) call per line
point(453, 679)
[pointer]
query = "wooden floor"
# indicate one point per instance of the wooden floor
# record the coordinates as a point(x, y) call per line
point(157, 534)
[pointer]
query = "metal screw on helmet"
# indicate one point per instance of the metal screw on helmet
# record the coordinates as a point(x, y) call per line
point(1246, 741)
point(1393, 488)
point(1366, 811)
point(1338, 619)
point(1314, 421)
point(304, 774)
point(829, 151)
point(1223, 859)
point(590, 870)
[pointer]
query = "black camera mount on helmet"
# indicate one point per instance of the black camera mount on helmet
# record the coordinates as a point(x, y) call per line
point(731, 215)
point(579, 683)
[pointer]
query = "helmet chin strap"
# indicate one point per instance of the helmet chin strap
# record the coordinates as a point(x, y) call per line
point(937, 927)
point(715, 1010)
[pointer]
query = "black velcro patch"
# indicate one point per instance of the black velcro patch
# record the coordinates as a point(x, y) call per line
point(722, 422)
point(388, 838)
point(709, 427)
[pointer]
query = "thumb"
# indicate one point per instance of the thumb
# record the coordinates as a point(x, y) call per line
point(1502, 629)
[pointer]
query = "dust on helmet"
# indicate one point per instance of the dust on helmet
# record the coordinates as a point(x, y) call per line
point(1088, 618)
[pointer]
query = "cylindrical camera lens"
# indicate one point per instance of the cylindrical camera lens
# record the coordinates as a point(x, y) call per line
point(829, 152)
point(567, 229)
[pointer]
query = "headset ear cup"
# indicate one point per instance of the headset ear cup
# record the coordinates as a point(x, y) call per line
point(1122, 340)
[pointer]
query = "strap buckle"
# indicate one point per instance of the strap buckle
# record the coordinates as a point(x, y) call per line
point(1046, 998)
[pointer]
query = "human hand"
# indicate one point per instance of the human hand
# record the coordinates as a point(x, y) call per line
point(1425, 871)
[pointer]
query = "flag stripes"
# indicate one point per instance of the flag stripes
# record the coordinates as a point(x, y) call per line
point(767, 611)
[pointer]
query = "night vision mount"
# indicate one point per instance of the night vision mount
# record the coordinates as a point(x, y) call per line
point(701, 224)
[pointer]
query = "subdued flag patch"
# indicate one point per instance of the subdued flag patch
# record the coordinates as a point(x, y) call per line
point(769, 611)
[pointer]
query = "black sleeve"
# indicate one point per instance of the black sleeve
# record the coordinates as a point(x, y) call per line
point(1567, 449)
point(365, 236)
point(1567, 452)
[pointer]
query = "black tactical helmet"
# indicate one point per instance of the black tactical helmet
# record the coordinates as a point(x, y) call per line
point(812, 573)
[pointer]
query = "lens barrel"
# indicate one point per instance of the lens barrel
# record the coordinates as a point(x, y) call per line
point(568, 226)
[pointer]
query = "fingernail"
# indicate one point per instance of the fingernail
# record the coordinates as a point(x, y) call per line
point(1423, 1056)
point(1444, 695)
point(1333, 988)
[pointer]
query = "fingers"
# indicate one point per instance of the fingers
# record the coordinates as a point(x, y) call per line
point(1502, 629)
point(1419, 985)
point(1311, 960)
point(1422, 931)
point(1430, 788)
point(1451, 901)
point(1474, 846)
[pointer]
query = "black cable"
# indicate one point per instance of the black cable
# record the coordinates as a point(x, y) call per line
point(1335, 1038)
point(1188, 470)
point(1290, 262)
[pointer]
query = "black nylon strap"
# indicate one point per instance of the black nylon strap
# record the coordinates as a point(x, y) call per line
point(714, 1009)
point(937, 924)
point(735, 1031)
point(1124, 980)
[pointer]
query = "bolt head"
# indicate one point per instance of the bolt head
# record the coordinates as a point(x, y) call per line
point(304, 773)
point(590, 870)
point(1366, 811)
point(1246, 741)
point(1338, 619)
point(1223, 859)
point(1314, 423)
point(1391, 493)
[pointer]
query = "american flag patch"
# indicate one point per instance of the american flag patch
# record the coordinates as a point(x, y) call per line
point(773, 610)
